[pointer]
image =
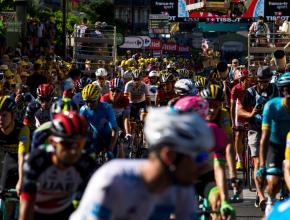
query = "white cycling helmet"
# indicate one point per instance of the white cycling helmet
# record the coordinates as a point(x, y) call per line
point(127, 75)
point(101, 72)
point(153, 73)
point(185, 87)
point(185, 132)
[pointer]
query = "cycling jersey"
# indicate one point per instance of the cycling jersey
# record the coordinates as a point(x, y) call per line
point(78, 99)
point(135, 93)
point(277, 120)
point(121, 107)
point(17, 140)
point(102, 118)
point(40, 135)
point(50, 187)
point(164, 97)
point(287, 151)
point(281, 211)
point(117, 191)
point(224, 122)
point(237, 94)
point(35, 115)
point(105, 88)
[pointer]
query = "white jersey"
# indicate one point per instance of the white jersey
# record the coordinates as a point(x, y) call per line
point(138, 93)
point(105, 88)
point(117, 192)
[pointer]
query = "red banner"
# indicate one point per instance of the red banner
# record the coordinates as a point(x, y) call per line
point(155, 44)
point(169, 47)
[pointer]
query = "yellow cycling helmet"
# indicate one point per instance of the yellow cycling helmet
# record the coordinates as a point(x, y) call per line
point(91, 92)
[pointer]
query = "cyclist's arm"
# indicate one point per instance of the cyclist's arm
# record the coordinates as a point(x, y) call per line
point(147, 95)
point(287, 162)
point(23, 148)
point(266, 127)
point(242, 112)
point(29, 114)
point(113, 123)
point(233, 109)
point(127, 120)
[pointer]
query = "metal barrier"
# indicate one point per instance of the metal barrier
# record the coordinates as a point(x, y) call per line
point(93, 46)
point(261, 49)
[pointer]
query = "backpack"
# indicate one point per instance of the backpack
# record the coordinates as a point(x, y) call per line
point(261, 29)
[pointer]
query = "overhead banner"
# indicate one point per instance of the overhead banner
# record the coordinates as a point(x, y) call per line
point(277, 9)
point(132, 43)
point(221, 9)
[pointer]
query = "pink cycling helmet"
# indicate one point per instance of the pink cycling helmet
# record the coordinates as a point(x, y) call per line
point(193, 104)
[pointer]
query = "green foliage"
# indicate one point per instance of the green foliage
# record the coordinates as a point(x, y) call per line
point(99, 10)
point(7, 5)
point(71, 21)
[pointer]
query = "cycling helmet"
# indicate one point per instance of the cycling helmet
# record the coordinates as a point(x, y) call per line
point(62, 105)
point(127, 75)
point(243, 74)
point(167, 77)
point(213, 92)
point(185, 87)
point(264, 72)
point(185, 132)
point(45, 91)
point(201, 82)
point(7, 104)
point(136, 74)
point(153, 73)
point(101, 72)
point(85, 80)
point(193, 104)
point(117, 83)
point(69, 84)
point(183, 73)
point(69, 125)
point(91, 91)
point(284, 80)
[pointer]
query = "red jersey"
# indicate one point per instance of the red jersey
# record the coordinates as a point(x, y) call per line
point(123, 101)
point(238, 92)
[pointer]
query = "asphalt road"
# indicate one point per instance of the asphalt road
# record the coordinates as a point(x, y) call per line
point(246, 209)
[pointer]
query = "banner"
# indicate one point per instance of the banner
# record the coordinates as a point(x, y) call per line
point(277, 9)
point(168, 7)
point(221, 9)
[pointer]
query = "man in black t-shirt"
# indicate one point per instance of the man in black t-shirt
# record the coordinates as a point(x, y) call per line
point(252, 108)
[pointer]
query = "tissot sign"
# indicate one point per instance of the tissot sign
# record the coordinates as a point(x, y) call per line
point(277, 9)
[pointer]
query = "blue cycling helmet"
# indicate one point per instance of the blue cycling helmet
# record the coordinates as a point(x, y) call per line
point(284, 80)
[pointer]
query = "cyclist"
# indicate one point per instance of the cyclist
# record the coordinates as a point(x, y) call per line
point(120, 105)
point(101, 80)
point(77, 98)
point(152, 85)
point(152, 188)
point(217, 193)
point(52, 179)
point(251, 108)
point(200, 83)
point(14, 142)
point(38, 112)
point(137, 92)
point(238, 123)
point(41, 134)
point(220, 116)
point(101, 119)
point(182, 88)
point(165, 91)
point(275, 126)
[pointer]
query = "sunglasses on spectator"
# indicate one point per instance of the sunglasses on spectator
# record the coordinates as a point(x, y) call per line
point(214, 104)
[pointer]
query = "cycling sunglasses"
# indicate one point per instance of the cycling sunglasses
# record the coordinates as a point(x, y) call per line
point(263, 81)
point(45, 99)
point(213, 104)
point(72, 143)
point(116, 90)
point(91, 101)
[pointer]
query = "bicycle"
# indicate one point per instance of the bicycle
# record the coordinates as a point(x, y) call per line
point(6, 197)
point(137, 143)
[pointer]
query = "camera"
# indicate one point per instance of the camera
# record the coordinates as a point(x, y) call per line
point(1, 76)
point(259, 106)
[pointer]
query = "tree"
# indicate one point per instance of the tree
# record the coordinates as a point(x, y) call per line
point(99, 10)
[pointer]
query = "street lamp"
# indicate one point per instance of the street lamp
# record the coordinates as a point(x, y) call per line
point(63, 36)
